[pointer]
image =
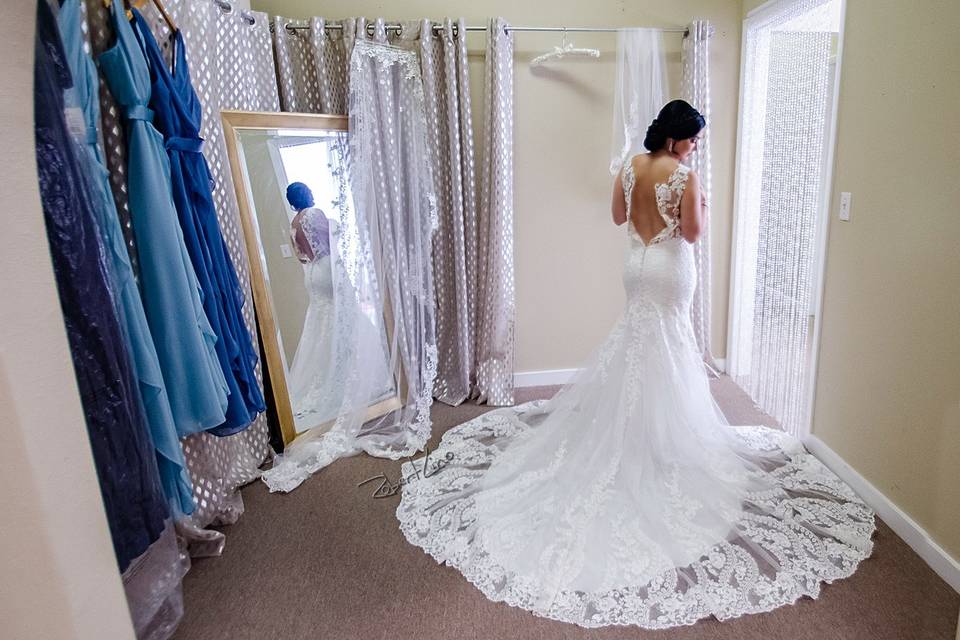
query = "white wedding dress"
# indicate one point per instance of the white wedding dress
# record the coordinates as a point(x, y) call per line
point(627, 498)
point(315, 390)
point(326, 347)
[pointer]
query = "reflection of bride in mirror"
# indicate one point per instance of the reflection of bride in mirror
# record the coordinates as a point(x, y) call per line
point(310, 383)
point(316, 384)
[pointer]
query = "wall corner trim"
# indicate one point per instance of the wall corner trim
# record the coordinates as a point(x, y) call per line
point(903, 525)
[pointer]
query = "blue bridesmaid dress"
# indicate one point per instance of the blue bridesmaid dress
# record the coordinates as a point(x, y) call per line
point(126, 465)
point(184, 339)
point(84, 98)
point(177, 114)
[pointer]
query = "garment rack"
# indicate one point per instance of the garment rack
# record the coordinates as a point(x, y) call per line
point(293, 28)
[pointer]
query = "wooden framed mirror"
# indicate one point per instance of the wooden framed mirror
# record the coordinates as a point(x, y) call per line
point(267, 153)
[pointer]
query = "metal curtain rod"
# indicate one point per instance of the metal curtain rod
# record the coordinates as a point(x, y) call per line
point(436, 27)
point(225, 7)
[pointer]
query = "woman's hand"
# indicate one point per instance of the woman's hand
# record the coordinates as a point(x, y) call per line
point(703, 200)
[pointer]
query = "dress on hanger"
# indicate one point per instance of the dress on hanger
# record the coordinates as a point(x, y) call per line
point(85, 98)
point(185, 341)
point(124, 456)
point(627, 498)
point(177, 112)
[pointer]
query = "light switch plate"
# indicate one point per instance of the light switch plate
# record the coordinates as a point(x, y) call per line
point(286, 251)
point(845, 205)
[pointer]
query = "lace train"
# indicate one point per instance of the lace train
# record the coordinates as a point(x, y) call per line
point(812, 529)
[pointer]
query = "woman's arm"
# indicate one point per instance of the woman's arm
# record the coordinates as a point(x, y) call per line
point(691, 209)
point(619, 205)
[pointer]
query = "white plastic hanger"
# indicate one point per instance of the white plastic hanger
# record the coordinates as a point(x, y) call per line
point(565, 50)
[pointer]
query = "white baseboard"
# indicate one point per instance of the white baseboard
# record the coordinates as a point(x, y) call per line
point(543, 378)
point(563, 376)
point(912, 533)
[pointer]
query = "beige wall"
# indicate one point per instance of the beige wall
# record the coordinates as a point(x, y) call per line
point(568, 253)
point(888, 381)
point(60, 577)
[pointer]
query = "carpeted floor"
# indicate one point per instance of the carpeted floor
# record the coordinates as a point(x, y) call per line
point(328, 561)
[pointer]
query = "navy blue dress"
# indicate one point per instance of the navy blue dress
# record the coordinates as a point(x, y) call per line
point(177, 114)
point(122, 450)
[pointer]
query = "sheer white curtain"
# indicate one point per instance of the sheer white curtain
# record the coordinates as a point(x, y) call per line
point(640, 91)
point(392, 219)
point(696, 91)
point(785, 111)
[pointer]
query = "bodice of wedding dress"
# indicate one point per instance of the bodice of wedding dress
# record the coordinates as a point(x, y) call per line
point(668, 195)
point(627, 498)
point(310, 233)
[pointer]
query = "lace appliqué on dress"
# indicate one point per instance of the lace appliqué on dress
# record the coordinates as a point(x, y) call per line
point(629, 182)
point(668, 196)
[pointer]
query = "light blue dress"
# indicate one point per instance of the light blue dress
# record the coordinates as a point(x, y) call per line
point(84, 100)
point(185, 342)
point(176, 115)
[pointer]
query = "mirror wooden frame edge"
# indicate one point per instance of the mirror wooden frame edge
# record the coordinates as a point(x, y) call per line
point(233, 121)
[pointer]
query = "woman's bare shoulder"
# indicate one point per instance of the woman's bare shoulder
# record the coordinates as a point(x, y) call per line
point(653, 167)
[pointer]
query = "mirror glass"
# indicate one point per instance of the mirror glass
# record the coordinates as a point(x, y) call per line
point(299, 233)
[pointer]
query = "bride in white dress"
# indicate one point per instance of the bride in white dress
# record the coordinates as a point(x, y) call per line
point(332, 323)
point(312, 385)
point(627, 498)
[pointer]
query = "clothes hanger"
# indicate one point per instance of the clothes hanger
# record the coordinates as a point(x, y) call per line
point(565, 50)
point(139, 4)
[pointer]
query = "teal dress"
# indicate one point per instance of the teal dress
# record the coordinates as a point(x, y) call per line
point(84, 100)
point(185, 342)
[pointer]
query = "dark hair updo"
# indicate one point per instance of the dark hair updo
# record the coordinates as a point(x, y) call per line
point(299, 196)
point(677, 120)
